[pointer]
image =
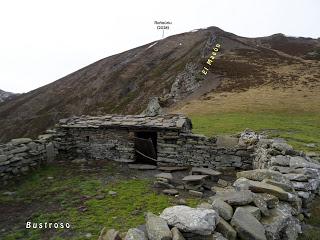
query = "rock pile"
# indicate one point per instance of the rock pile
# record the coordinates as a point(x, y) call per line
point(267, 203)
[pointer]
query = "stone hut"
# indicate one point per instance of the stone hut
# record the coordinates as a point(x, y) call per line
point(161, 139)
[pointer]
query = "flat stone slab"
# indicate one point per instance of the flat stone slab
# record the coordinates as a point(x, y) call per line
point(205, 171)
point(300, 162)
point(247, 226)
point(142, 166)
point(172, 169)
point(194, 178)
point(260, 174)
point(226, 141)
point(237, 198)
point(170, 192)
point(164, 175)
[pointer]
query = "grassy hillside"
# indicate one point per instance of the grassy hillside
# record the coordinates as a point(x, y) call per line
point(292, 113)
point(299, 130)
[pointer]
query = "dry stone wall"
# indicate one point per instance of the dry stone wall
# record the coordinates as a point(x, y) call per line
point(21, 155)
point(187, 149)
point(93, 143)
point(173, 147)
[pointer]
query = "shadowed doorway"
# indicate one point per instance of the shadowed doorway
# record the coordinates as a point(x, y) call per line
point(145, 144)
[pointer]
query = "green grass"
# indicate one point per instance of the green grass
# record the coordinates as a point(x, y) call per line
point(59, 200)
point(298, 129)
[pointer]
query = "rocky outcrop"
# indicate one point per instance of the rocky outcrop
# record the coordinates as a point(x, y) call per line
point(153, 108)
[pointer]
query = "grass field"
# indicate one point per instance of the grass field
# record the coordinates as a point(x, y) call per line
point(299, 130)
point(69, 195)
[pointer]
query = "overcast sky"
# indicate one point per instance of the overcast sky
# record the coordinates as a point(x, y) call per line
point(42, 41)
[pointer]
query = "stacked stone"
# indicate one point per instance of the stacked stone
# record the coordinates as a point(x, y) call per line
point(187, 149)
point(302, 171)
point(20, 155)
point(168, 145)
point(265, 204)
point(169, 121)
point(93, 143)
point(66, 145)
point(110, 137)
point(164, 180)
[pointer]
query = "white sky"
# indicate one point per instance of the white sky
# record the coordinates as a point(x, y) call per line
point(42, 40)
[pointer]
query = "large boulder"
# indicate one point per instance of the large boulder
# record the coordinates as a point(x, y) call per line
point(247, 226)
point(224, 209)
point(237, 198)
point(135, 234)
point(157, 228)
point(194, 220)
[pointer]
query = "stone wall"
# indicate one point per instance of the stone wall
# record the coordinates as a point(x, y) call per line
point(197, 150)
point(21, 155)
point(173, 147)
point(96, 143)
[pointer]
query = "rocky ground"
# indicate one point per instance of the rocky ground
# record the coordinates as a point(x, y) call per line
point(268, 203)
point(278, 200)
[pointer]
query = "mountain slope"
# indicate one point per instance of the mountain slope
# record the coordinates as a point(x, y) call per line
point(4, 96)
point(170, 69)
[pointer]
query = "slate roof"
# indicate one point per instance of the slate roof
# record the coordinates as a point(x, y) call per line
point(168, 121)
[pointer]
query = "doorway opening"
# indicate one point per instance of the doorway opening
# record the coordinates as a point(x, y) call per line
point(145, 145)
